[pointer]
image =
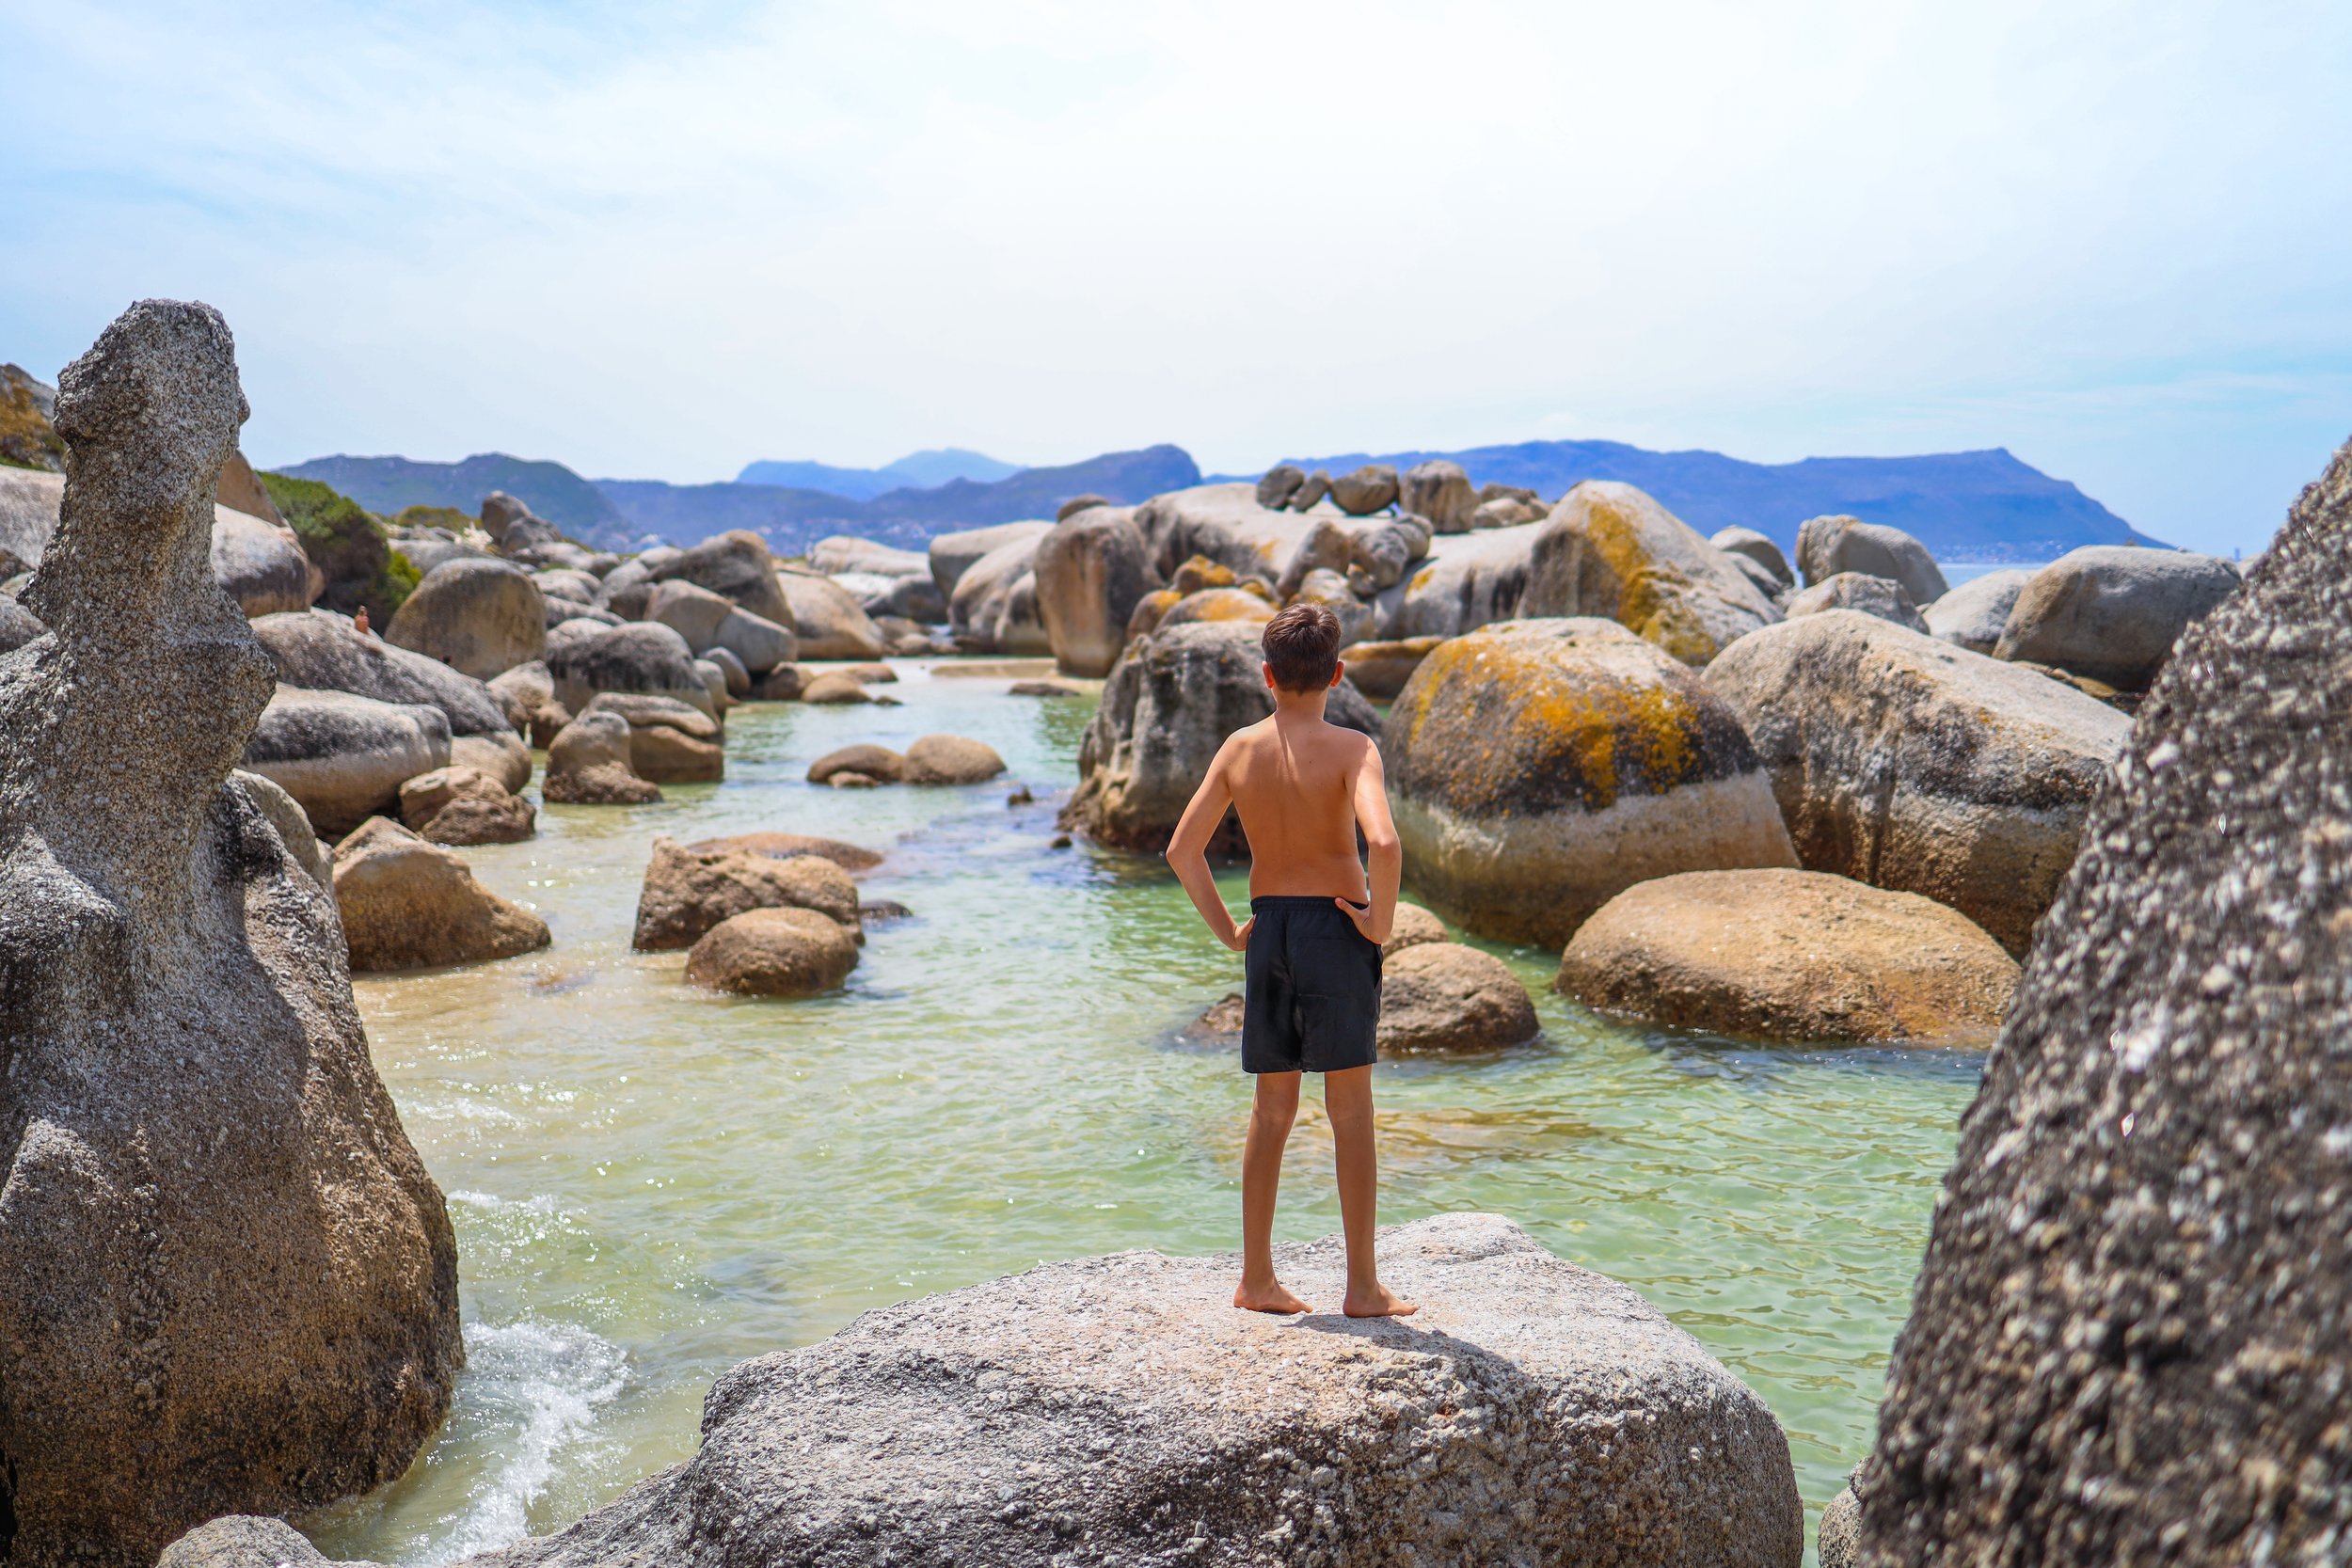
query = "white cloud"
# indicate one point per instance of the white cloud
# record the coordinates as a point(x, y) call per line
point(664, 241)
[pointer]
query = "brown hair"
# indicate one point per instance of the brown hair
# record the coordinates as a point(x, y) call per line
point(1302, 647)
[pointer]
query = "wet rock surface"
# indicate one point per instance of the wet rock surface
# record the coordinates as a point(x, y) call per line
point(773, 952)
point(1120, 1408)
point(2132, 1330)
point(227, 1283)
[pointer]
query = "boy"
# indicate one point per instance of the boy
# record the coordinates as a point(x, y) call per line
point(1303, 788)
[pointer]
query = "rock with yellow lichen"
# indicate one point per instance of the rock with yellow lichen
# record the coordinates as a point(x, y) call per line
point(1539, 767)
point(1611, 550)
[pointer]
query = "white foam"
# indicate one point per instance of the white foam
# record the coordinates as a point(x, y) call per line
point(531, 1391)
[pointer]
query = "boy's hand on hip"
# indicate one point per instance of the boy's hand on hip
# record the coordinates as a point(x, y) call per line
point(1364, 922)
point(1239, 941)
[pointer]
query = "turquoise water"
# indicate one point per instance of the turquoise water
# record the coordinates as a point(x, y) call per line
point(650, 1183)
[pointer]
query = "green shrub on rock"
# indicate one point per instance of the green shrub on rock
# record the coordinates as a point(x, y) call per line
point(434, 516)
point(347, 544)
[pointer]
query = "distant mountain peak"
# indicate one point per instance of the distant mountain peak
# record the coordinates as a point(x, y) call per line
point(917, 470)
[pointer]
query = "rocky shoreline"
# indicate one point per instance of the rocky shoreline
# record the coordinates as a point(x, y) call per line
point(1831, 803)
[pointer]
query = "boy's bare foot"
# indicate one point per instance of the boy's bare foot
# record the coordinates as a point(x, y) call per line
point(1273, 1297)
point(1379, 1302)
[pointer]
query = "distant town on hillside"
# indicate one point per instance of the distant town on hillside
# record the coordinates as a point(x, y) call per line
point(1966, 506)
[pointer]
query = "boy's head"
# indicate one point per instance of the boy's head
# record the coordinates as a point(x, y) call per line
point(1303, 648)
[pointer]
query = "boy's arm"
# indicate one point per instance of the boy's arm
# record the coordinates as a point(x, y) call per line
point(1386, 856)
point(1187, 852)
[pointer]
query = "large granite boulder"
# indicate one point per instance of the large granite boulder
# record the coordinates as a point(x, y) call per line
point(1464, 581)
point(1168, 705)
point(827, 620)
point(1881, 597)
point(1828, 545)
point(1091, 570)
point(1907, 763)
point(2132, 1333)
point(1211, 604)
point(1537, 768)
point(1225, 524)
point(951, 555)
point(258, 562)
point(259, 565)
point(410, 904)
point(18, 626)
point(585, 661)
point(710, 620)
point(1366, 490)
point(481, 618)
point(1120, 1410)
point(1796, 955)
point(28, 439)
point(322, 651)
point(344, 757)
point(227, 1283)
point(1440, 491)
point(2113, 612)
point(1609, 550)
point(687, 892)
point(735, 565)
point(1974, 614)
point(979, 606)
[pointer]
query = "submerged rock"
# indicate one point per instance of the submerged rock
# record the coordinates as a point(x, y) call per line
point(1120, 1409)
point(669, 741)
point(1168, 705)
point(1441, 996)
point(2132, 1332)
point(687, 892)
point(1907, 763)
point(226, 1282)
point(878, 763)
point(786, 952)
point(951, 759)
point(1796, 955)
point(1537, 768)
point(407, 904)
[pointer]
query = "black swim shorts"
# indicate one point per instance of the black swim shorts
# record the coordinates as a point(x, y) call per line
point(1312, 998)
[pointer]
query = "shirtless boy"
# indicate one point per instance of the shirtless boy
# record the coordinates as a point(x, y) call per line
point(1303, 788)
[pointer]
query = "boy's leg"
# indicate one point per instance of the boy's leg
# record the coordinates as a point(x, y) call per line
point(1348, 1099)
point(1270, 1118)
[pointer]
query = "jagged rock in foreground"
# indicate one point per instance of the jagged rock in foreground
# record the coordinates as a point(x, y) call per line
point(1120, 1409)
point(2132, 1335)
point(227, 1283)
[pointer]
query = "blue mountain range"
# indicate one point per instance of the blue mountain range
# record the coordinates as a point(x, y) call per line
point(919, 470)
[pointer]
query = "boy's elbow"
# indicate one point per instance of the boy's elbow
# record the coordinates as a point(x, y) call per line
point(1383, 844)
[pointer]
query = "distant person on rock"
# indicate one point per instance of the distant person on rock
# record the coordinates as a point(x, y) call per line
point(1303, 788)
point(359, 620)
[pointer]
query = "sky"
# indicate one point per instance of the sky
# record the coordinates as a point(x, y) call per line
point(663, 241)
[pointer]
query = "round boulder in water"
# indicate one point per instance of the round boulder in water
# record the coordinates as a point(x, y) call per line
point(773, 952)
point(1796, 955)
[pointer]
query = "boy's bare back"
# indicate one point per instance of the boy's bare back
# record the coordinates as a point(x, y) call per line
point(1296, 781)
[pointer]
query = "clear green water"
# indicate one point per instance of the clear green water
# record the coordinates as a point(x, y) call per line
point(650, 1183)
